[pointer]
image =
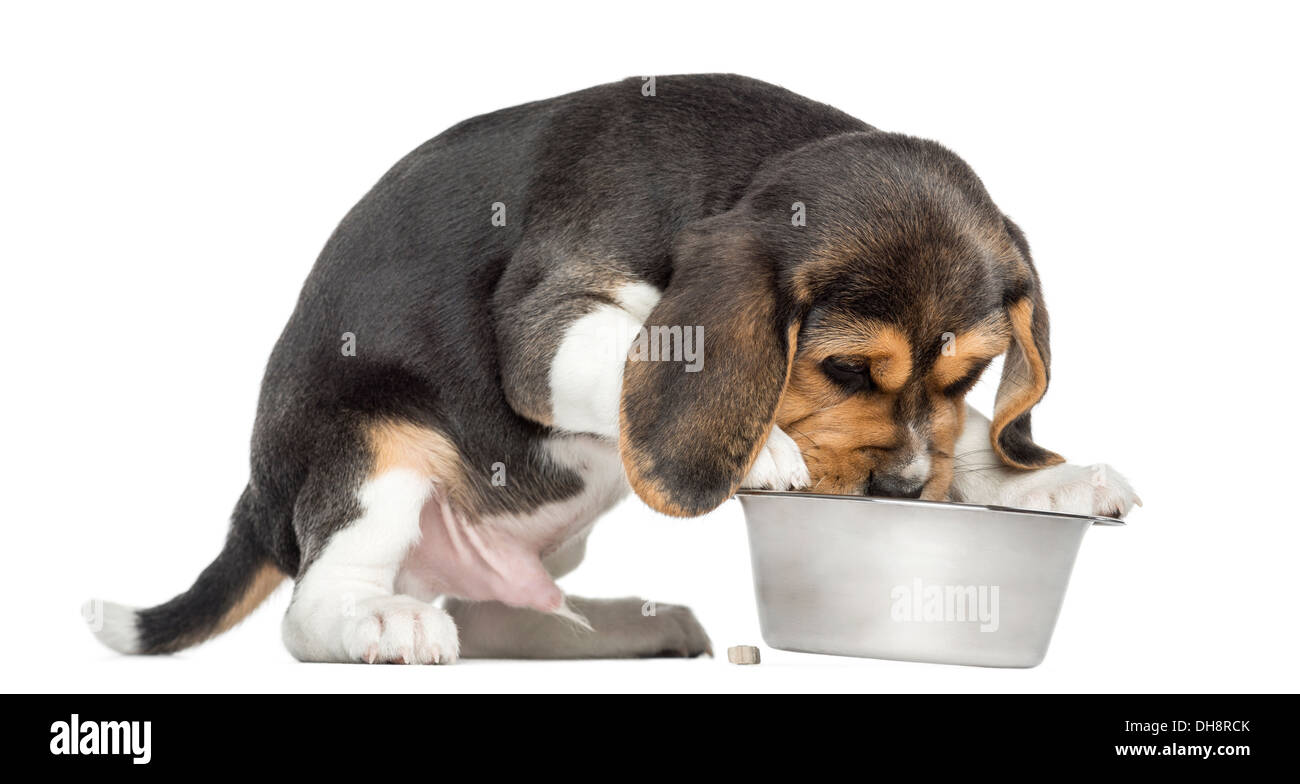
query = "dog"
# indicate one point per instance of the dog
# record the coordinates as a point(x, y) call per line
point(491, 351)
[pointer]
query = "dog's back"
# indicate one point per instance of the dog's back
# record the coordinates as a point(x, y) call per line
point(426, 280)
point(403, 315)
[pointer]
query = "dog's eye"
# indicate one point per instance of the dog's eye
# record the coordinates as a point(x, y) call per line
point(849, 371)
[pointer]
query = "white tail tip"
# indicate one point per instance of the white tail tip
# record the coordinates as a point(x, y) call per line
point(113, 624)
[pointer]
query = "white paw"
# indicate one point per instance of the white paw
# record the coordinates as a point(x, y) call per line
point(400, 630)
point(1084, 490)
point(779, 466)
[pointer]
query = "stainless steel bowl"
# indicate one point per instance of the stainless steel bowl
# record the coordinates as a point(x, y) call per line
point(910, 580)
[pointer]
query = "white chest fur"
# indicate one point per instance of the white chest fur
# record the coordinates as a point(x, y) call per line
point(586, 375)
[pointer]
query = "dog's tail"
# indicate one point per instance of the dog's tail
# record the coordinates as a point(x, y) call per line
point(223, 595)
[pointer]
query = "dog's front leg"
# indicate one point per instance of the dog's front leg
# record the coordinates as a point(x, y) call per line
point(779, 465)
point(620, 629)
point(980, 477)
point(581, 390)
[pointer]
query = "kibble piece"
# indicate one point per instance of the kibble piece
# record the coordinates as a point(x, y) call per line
point(743, 654)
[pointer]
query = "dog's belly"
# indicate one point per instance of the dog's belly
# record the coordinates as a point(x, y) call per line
point(506, 557)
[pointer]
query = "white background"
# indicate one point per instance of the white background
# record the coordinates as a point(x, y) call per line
point(168, 176)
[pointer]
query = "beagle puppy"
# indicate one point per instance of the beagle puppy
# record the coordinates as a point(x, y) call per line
point(679, 286)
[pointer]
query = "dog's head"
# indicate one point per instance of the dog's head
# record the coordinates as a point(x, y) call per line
point(852, 298)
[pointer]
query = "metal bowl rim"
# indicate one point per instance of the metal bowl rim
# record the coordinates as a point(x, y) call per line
point(916, 502)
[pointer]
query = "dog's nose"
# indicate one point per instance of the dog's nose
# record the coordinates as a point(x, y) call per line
point(887, 486)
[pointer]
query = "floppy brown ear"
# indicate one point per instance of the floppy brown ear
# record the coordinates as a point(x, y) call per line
point(1025, 372)
point(687, 439)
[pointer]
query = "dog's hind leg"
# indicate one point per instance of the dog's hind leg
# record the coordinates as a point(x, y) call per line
point(619, 629)
point(344, 608)
point(356, 524)
point(616, 628)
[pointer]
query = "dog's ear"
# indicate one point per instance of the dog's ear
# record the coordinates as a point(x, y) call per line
point(1026, 368)
point(687, 439)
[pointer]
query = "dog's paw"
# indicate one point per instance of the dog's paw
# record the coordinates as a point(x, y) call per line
point(673, 632)
point(400, 630)
point(1084, 490)
point(779, 466)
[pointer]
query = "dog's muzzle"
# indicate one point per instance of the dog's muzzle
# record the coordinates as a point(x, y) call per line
point(888, 486)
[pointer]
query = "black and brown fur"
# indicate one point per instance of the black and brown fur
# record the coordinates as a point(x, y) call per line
point(691, 191)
